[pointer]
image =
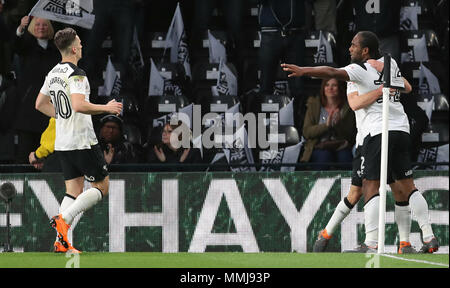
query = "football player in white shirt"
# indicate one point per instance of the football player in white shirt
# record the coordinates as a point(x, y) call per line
point(364, 90)
point(65, 96)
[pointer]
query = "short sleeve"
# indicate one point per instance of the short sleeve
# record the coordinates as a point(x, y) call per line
point(351, 87)
point(355, 72)
point(78, 84)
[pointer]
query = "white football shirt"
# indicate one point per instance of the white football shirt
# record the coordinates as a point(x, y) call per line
point(74, 131)
point(363, 79)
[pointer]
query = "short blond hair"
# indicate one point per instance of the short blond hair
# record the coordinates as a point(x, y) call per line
point(51, 31)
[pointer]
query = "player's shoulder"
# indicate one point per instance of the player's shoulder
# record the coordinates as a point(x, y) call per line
point(358, 66)
point(77, 71)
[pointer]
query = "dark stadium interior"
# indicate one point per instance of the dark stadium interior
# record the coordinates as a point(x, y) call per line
point(237, 26)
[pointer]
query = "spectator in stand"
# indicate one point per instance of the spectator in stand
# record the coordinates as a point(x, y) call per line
point(383, 18)
point(37, 55)
point(233, 11)
point(329, 127)
point(4, 38)
point(282, 24)
point(43, 158)
point(115, 17)
point(325, 15)
point(113, 143)
point(166, 150)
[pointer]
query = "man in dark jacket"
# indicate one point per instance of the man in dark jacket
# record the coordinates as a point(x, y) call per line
point(282, 39)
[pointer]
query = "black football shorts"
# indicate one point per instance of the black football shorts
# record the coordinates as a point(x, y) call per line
point(89, 163)
point(399, 161)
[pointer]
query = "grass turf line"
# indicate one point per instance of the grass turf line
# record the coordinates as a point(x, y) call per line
point(214, 260)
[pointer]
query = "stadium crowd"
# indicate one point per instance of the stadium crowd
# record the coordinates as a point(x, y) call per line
point(257, 35)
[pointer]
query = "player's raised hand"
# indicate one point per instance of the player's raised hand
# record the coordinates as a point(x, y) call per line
point(114, 107)
point(294, 70)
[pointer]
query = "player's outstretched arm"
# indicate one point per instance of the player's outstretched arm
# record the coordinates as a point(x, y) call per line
point(323, 72)
point(44, 105)
point(80, 105)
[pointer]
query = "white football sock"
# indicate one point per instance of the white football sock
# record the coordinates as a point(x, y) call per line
point(84, 202)
point(371, 212)
point(402, 215)
point(419, 208)
point(342, 210)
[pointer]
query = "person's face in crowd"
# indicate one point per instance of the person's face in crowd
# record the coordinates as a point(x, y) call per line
point(41, 28)
point(110, 132)
point(166, 134)
point(331, 89)
point(356, 52)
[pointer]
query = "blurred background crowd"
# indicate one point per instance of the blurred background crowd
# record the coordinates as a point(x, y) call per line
point(257, 35)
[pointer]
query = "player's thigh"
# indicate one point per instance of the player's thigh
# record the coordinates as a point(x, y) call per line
point(93, 164)
point(401, 157)
point(371, 156)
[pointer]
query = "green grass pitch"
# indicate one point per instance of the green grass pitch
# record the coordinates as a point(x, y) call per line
point(220, 260)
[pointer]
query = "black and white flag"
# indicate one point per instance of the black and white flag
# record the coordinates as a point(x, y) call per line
point(324, 52)
point(112, 84)
point(136, 60)
point(283, 155)
point(73, 12)
point(428, 82)
point(176, 40)
point(408, 17)
point(239, 153)
point(217, 51)
point(156, 81)
point(418, 52)
point(227, 81)
point(434, 155)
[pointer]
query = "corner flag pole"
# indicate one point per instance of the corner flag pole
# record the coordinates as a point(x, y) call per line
point(384, 154)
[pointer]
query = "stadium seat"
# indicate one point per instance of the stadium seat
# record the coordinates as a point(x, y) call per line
point(154, 46)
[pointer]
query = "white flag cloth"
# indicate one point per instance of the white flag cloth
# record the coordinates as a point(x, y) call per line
point(286, 114)
point(176, 40)
point(324, 52)
point(290, 155)
point(217, 50)
point(156, 81)
point(73, 12)
point(227, 81)
point(428, 82)
point(408, 17)
point(420, 50)
point(112, 82)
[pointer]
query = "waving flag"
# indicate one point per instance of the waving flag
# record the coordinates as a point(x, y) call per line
point(112, 84)
point(240, 153)
point(408, 17)
point(156, 81)
point(136, 60)
point(324, 53)
point(74, 12)
point(226, 82)
point(217, 50)
point(428, 82)
point(287, 114)
point(176, 40)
